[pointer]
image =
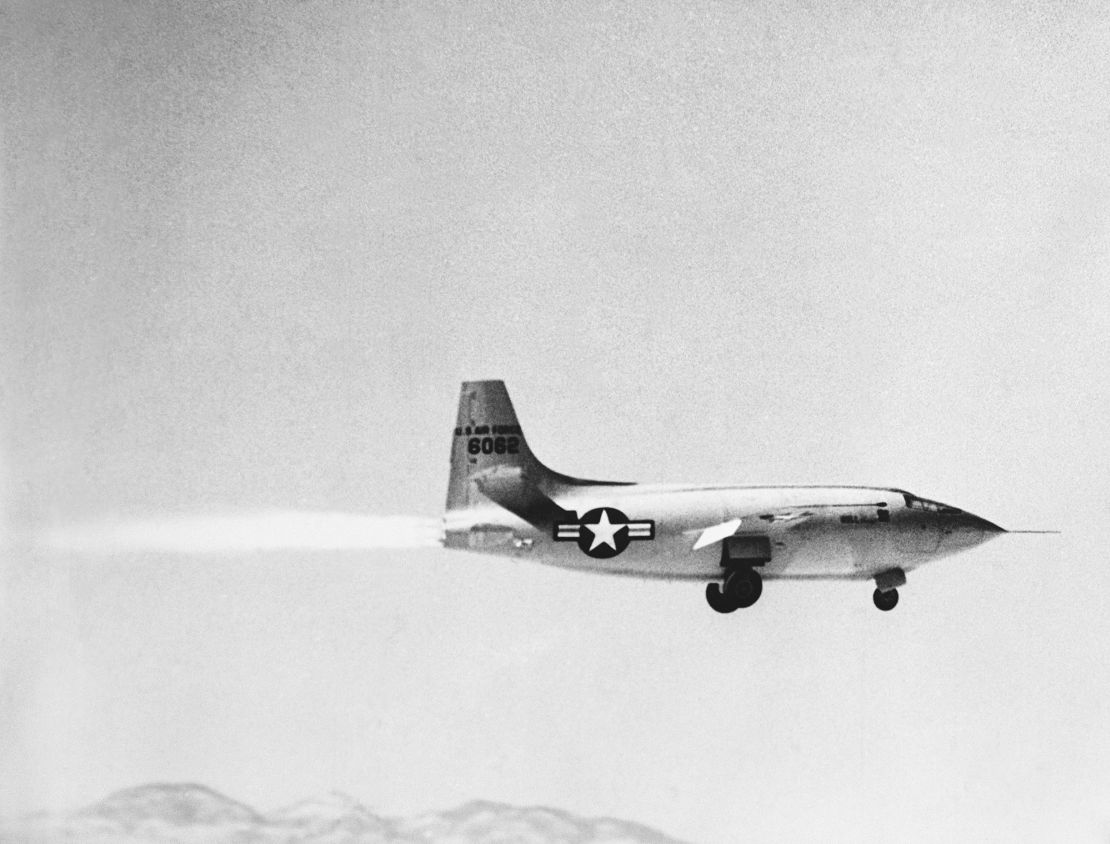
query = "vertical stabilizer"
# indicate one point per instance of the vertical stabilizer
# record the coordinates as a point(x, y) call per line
point(487, 436)
point(491, 460)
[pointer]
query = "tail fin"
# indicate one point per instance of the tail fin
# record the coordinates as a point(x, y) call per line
point(487, 435)
point(491, 460)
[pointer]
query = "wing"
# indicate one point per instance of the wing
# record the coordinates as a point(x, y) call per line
point(765, 521)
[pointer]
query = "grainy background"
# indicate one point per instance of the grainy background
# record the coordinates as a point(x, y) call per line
point(250, 249)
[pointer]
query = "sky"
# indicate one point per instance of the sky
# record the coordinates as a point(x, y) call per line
point(249, 250)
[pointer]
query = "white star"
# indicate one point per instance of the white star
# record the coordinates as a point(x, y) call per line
point(604, 531)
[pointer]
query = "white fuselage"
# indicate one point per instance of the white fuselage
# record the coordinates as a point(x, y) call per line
point(814, 531)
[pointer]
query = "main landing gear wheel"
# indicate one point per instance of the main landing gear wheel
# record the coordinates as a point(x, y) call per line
point(886, 601)
point(742, 588)
point(717, 599)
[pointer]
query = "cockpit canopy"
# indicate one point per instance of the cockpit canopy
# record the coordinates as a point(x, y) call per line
point(915, 503)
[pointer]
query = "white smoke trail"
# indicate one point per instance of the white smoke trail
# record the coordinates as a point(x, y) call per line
point(271, 530)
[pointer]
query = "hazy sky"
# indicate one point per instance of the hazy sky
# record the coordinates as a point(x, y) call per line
point(250, 249)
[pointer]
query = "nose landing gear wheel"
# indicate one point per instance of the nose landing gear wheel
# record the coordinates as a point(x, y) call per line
point(886, 601)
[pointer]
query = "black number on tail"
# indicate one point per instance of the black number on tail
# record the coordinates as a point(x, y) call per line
point(493, 445)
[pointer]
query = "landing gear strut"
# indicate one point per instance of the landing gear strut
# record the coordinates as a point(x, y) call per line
point(886, 601)
point(742, 588)
point(886, 592)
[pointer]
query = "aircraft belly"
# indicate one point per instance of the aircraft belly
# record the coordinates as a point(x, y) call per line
point(814, 555)
point(809, 551)
point(665, 557)
point(851, 553)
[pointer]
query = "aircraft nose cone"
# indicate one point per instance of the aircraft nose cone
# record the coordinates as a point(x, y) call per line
point(970, 530)
point(988, 528)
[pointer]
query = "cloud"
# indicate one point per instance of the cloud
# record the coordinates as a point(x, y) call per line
point(189, 814)
point(267, 530)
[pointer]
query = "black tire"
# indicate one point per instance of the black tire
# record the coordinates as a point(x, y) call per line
point(718, 600)
point(886, 601)
point(743, 586)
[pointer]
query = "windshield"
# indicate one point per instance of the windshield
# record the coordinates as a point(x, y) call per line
point(915, 503)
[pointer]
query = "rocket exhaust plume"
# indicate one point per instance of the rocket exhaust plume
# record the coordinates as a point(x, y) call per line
point(270, 530)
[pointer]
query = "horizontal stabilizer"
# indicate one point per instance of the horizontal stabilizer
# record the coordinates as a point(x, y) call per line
point(510, 487)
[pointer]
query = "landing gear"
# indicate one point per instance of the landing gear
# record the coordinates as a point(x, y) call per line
point(745, 585)
point(886, 601)
point(717, 599)
point(886, 591)
point(742, 588)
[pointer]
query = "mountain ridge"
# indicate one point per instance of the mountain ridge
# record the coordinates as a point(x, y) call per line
point(190, 813)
